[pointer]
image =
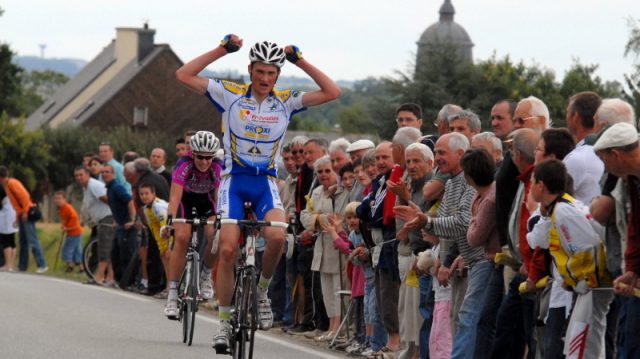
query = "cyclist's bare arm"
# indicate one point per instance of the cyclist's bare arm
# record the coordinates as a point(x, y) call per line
point(188, 73)
point(329, 90)
point(175, 196)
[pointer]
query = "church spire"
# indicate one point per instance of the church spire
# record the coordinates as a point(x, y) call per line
point(447, 11)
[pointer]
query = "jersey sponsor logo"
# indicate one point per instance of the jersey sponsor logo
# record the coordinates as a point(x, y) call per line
point(250, 116)
point(254, 151)
point(247, 104)
point(232, 87)
point(254, 131)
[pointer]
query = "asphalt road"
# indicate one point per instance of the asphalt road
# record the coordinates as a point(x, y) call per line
point(44, 317)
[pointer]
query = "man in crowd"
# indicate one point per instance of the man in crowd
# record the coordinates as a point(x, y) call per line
point(385, 254)
point(409, 115)
point(465, 122)
point(584, 167)
point(502, 118)
point(94, 203)
point(158, 159)
point(338, 154)
point(106, 155)
point(618, 148)
point(21, 201)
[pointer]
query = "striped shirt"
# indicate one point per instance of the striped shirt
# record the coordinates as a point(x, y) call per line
point(452, 223)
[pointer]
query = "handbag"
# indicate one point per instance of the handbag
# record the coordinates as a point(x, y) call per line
point(34, 214)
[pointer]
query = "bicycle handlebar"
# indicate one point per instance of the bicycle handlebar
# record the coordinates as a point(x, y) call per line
point(253, 223)
point(192, 221)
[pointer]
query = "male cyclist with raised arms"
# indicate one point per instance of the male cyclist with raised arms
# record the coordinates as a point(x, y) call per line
point(255, 118)
point(194, 184)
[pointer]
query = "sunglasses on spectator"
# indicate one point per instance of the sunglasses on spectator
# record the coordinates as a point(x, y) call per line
point(295, 152)
point(522, 120)
point(204, 158)
point(327, 171)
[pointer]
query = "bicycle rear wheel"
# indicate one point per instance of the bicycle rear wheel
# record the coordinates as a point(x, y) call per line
point(184, 298)
point(90, 257)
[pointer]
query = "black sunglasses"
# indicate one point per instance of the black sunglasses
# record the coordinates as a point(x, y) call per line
point(204, 158)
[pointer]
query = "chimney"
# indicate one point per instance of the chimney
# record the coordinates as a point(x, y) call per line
point(133, 43)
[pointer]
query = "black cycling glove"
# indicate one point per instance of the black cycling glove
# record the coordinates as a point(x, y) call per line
point(295, 55)
point(228, 45)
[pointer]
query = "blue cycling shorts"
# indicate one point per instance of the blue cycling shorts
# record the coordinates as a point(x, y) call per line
point(236, 189)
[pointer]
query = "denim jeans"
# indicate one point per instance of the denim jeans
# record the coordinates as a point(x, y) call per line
point(629, 328)
point(554, 333)
point(426, 310)
point(493, 296)
point(372, 316)
point(278, 290)
point(29, 239)
point(72, 249)
point(465, 340)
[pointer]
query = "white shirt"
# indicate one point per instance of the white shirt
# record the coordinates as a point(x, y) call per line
point(7, 217)
point(91, 202)
point(586, 169)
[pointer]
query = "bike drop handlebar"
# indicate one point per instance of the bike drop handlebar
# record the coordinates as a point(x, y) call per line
point(252, 223)
point(196, 221)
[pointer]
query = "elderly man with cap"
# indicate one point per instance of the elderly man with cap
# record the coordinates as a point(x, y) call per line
point(618, 148)
point(358, 148)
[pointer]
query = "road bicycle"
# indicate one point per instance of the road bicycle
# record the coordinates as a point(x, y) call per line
point(90, 257)
point(244, 317)
point(189, 294)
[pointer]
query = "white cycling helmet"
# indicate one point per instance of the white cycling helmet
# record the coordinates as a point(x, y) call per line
point(268, 53)
point(204, 142)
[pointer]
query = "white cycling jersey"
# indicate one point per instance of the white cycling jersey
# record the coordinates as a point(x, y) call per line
point(253, 133)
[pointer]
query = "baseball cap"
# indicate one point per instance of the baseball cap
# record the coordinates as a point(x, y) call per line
point(360, 145)
point(618, 135)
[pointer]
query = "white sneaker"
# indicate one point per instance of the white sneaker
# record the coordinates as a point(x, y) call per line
point(171, 310)
point(42, 270)
point(265, 315)
point(206, 287)
point(222, 339)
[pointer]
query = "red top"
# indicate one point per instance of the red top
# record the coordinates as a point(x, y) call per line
point(533, 259)
point(70, 220)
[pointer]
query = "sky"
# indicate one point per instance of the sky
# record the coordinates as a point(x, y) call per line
point(347, 39)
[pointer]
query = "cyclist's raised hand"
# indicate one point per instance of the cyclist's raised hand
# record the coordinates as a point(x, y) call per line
point(231, 43)
point(292, 53)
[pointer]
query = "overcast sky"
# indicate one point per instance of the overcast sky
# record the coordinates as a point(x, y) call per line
point(348, 39)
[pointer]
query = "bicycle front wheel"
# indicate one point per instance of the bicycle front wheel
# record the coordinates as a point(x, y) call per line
point(247, 315)
point(192, 300)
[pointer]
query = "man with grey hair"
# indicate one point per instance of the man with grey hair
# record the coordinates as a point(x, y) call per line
point(418, 160)
point(531, 112)
point(457, 257)
point(464, 122)
point(491, 143)
point(338, 154)
point(611, 111)
point(442, 122)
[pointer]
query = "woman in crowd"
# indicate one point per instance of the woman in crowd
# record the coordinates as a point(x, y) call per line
point(321, 208)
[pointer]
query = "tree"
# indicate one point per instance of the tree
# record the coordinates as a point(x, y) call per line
point(632, 81)
point(10, 89)
point(26, 154)
point(37, 87)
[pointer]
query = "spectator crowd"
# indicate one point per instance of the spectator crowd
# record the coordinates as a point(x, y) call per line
point(519, 242)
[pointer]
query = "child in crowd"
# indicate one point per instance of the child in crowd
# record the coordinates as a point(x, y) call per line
point(155, 210)
point(8, 229)
point(72, 248)
point(346, 246)
point(347, 176)
point(440, 340)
